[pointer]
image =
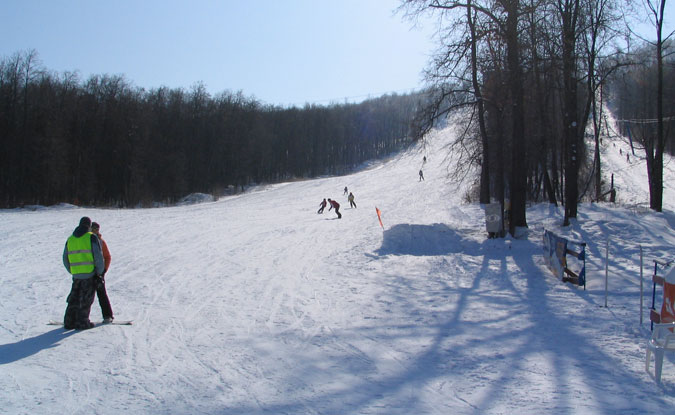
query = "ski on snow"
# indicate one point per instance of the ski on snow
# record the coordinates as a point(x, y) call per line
point(97, 323)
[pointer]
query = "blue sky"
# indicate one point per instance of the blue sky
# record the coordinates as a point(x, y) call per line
point(284, 52)
point(281, 52)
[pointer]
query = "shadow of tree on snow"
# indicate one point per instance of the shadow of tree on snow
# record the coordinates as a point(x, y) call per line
point(477, 359)
point(424, 240)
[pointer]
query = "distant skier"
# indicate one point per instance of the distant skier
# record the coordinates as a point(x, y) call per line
point(351, 200)
point(335, 205)
point(323, 206)
point(421, 175)
point(424, 160)
point(344, 192)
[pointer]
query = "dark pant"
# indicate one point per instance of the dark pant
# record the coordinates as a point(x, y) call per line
point(79, 300)
point(337, 210)
point(103, 300)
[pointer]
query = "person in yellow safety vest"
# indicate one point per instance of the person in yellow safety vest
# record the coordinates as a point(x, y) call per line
point(83, 258)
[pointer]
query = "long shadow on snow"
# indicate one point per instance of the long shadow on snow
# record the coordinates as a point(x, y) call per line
point(424, 240)
point(529, 321)
point(550, 330)
point(670, 218)
point(620, 242)
point(453, 339)
point(12, 352)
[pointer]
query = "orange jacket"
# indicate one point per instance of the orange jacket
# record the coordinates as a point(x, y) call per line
point(106, 253)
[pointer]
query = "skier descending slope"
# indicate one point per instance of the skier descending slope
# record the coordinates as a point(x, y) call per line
point(335, 205)
point(322, 206)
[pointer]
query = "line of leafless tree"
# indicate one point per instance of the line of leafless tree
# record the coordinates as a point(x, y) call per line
point(531, 74)
point(102, 141)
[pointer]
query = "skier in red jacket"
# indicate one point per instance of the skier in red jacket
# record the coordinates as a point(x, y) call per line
point(323, 206)
point(335, 205)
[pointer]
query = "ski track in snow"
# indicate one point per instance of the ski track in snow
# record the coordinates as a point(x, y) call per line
point(256, 304)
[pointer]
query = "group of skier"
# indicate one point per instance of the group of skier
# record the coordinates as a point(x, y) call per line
point(335, 205)
point(421, 173)
point(87, 258)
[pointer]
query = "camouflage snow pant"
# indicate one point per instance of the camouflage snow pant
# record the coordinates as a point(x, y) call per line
point(79, 300)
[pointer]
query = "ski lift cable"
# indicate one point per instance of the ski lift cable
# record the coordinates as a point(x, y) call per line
point(646, 120)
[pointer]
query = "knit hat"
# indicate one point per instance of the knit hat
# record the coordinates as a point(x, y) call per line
point(85, 221)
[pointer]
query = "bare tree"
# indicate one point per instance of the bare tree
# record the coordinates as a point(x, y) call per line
point(471, 19)
point(458, 61)
point(569, 11)
point(602, 22)
point(655, 147)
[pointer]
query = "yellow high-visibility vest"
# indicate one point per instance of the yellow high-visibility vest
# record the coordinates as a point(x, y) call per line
point(80, 254)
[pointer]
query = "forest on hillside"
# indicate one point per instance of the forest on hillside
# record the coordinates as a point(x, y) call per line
point(532, 81)
point(536, 78)
point(631, 90)
point(102, 141)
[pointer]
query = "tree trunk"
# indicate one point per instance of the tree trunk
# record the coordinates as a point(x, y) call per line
point(485, 166)
point(569, 12)
point(656, 180)
point(518, 186)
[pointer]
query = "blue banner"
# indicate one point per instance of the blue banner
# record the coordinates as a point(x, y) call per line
point(556, 250)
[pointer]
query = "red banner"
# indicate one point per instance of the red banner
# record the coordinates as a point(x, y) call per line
point(379, 216)
point(668, 307)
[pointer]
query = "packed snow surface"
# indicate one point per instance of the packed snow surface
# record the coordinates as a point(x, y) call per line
point(256, 304)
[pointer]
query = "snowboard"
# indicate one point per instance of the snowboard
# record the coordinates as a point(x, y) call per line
point(97, 323)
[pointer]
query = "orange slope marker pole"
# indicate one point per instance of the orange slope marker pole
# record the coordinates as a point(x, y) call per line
point(379, 216)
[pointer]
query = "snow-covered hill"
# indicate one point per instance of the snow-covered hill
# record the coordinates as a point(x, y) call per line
point(257, 304)
point(627, 164)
